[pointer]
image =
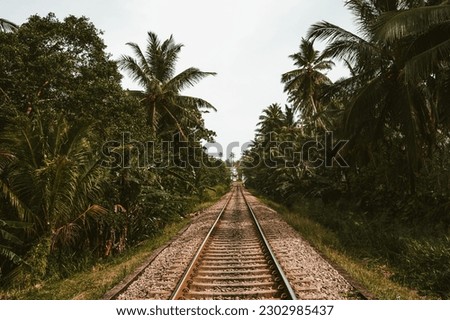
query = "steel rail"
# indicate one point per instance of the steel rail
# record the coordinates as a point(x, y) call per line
point(279, 269)
point(182, 283)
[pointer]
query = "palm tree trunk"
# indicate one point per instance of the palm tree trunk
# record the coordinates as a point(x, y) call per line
point(316, 114)
point(153, 118)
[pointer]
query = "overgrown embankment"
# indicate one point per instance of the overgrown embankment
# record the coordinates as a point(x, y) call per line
point(94, 280)
point(391, 259)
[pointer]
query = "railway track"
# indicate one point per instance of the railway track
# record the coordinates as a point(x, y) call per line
point(235, 260)
point(223, 254)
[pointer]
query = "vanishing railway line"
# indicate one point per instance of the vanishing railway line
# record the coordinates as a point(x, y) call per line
point(235, 260)
point(224, 254)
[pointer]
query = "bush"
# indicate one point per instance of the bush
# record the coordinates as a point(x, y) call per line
point(425, 265)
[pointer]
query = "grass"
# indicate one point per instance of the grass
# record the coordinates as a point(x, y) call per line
point(371, 274)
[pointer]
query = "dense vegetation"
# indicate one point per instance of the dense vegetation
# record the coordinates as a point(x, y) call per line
point(88, 169)
point(367, 156)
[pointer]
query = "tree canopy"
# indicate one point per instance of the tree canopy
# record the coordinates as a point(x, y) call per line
point(83, 175)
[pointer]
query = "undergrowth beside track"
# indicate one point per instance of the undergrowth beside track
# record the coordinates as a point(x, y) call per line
point(95, 281)
point(389, 265)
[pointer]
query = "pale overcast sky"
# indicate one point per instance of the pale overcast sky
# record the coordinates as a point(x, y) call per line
point(247, 42)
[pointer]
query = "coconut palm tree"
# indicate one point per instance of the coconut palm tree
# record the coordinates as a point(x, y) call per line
point(271, 120)
point(154, 70)
point(392, 93)
point(428, 30)
point(305, 84)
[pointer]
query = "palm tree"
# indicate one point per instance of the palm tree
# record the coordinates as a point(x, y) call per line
point(271, 120)
point(428, 29)
point(306, 83)
point(389, 96)
point(52, 183)
point(154, 70)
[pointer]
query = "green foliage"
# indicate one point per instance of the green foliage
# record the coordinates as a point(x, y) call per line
point(370, 271)
point(37, 262)
point(387, 193)
point(93, 281)
point(416, 257)
point(393, 75)
point(62, 113)
point(420, 255)
point(304, 85)
point(154, 70)
point(58, 66)
point(52, 184)
point(10, 240)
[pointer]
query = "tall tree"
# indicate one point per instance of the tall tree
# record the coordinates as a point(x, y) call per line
point(154, 70)
point(51, 65)
point(271, 120)
point(387, 99)
point(306, 83)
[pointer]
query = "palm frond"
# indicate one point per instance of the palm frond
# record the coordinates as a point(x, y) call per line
point(162, 57)
point(199, 103)
point(327, 31)
point(187, 78)
point(364, 11)
point(392, 26)
point(343, 44)
point(136, 71)
point(65, 235)
point(288, 78)
point(426, 62)
point(7, 252)
point(141, 59)
point(7, 236)
point(360, 112)
point(16, 195)
point(7, 26)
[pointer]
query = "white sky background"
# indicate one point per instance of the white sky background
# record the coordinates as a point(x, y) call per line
point(247, 42)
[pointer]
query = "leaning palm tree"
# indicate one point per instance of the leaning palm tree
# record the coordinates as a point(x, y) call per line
point(428, 28)
point(389, 96)
point(305, 83)
point(154, 70)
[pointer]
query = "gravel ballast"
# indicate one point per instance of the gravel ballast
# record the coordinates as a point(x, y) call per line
point(310, 275)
